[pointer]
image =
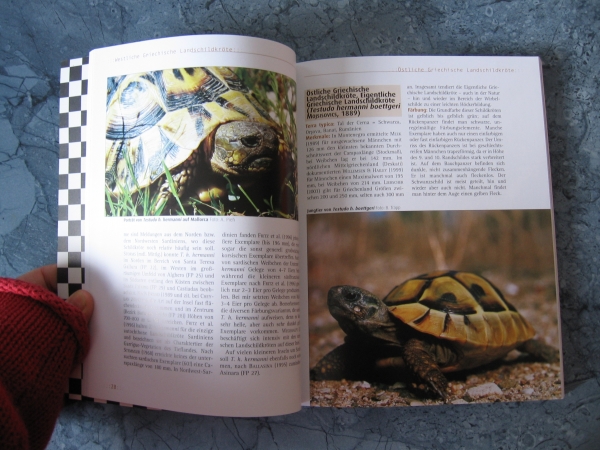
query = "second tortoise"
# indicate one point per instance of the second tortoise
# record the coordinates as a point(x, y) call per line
point(438, 322)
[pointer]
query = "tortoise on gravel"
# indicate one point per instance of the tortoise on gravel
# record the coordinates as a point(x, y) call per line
point(437, 322)
point(198, 123)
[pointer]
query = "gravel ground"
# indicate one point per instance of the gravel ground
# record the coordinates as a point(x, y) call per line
point(514, 378)
point(507, 381)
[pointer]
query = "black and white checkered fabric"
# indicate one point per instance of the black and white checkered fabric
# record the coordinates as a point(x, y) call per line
point(71, 175)
point(71, 191)
point(71, 185)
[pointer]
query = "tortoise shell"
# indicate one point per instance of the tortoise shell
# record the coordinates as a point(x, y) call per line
point(463, 308)
point(160, 119)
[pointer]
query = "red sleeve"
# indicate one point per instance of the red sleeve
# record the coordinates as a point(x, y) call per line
point(41, 338)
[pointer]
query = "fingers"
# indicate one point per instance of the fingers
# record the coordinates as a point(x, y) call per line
point(84, 301)
point(44, 276)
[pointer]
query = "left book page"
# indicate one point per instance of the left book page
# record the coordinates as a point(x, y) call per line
point(178, 213)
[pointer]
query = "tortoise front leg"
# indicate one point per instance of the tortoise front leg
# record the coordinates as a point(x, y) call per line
point(180, 179)
point(420, 361)
point(348, 361)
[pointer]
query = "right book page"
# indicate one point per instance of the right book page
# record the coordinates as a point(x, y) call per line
point(433, 168)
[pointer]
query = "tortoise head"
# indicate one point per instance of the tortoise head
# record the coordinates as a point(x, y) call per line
point(360, 313)
point(243, 148)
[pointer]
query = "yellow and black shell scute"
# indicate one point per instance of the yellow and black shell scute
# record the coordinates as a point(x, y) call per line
point(159, 119)
point(464, 309)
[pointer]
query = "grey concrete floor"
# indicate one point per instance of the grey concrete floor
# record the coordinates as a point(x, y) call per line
point(36, 35)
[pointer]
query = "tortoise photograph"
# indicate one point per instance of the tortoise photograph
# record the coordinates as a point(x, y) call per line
point(201, 140)
point(385, 332)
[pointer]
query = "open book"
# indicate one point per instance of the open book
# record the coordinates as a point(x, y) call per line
point(213, 193)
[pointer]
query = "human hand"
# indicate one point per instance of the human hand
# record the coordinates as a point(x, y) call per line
point(45, 277)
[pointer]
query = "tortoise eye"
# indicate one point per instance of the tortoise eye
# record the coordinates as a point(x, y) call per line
point(356, 309)
point(352, 296)
point(251, 141)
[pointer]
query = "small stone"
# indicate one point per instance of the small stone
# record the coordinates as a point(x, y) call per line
point(459, 401)
point(382, 397)
point(508, 384)
point(483, 390)
point(472, 379)
point(512, 355)
point(361, 384)
point(456, 388)
point(399, 385)
point(417, 403)
point(527, 391)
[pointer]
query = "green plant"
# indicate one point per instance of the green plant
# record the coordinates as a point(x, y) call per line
point(276, 94)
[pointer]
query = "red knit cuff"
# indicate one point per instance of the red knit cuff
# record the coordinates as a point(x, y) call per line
point(13, 432)
point(41, 338)
point(63, 310)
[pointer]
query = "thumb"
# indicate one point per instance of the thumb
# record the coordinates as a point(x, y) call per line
point(84, 301)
